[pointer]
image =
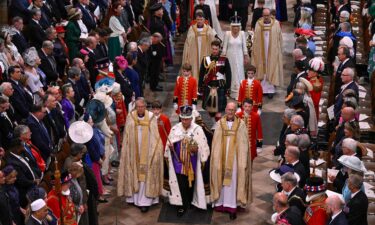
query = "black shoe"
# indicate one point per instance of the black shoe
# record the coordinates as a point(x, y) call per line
point(232, 216)
point(270, 96)
point(157, 89)
point(144, 209)
point(180, 212)
point(102, 200)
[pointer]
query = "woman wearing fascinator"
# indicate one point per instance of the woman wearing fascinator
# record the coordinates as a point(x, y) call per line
point(36, 78)
point(15, 56)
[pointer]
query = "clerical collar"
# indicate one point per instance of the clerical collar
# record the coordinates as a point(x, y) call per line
point(230, 120)
point(141, 116)
point(200, 27)
point(343, 62)
point(298, 75)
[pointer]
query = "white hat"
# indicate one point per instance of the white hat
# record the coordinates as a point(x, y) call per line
point(352, 162)
point(116, 88)
point(37, 204)
point(347, 41)
point(80, 132)
point(104, 88)
point(307, 83)
point(316, 64)
point(276, 176)
point(104, 98)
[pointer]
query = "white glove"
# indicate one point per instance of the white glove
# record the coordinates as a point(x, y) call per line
point(238, 110)
point(175, 106)
point(194, 107)
point(259, 112)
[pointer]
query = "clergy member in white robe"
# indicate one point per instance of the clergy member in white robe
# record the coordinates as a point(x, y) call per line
point(230, 169)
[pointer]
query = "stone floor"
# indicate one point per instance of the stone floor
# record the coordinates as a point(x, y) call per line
point(259, 212)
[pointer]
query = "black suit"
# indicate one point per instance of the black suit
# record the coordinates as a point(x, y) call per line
point(5, 208)
point(36, 34)
point(257, 14)
point(155, 54)
point(294, 79)
point(77, 97)
point(297, 199)
point(126, 88)
point(356, 209)
point(141, 67)
point(92, 67)
point(52, 129)
point(20, 41)
point(60, 56)
point(339, 100)
point(293, 216)
point(92, 186)
point(280, 149)
point(40, 137)
point(48, 66)
point(25, 176)
point(87, 17)
point(340, 219)
point(32, 221)
point(241, 7)
point(59, 120)
point(338, 82)
point(300, 169)
point(6, 129)
point(206, 10)
point(19, 102)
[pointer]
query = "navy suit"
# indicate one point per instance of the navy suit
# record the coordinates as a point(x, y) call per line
point(40, 137)
point(19, 102)
point(48, 67)
point(339, 220)
point(87, 17)
point(20, 41)
point(339, 101)
point(356, 209)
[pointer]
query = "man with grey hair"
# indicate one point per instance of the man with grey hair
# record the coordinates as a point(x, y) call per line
point(296, 123)
point(74, 75)
point(304, 143)
point(291, 140)
point(356, 208)
point(6, 122)
point(349, 146)
point(48, 63)
point(140, 177)
point(142, 60)
point(292, 159)
point(132, 47)
point(287, 116)
point(35, 32)
point(347, 78)
point(299, 56)
point(6, 89)
point(334, 209)
point(295, 194)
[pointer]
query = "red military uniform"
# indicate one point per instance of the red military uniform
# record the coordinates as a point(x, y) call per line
point(251, 91)
point(120, 105)
point(185, 91)
point(67, 207)
point(316, 212)
point(254, 130)
point(164, 126)
point(317, 83)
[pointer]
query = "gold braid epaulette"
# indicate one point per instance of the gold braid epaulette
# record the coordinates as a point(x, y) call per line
point(210, 66)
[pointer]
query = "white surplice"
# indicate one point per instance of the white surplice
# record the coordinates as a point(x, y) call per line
point(140, 198)
point(228, 194)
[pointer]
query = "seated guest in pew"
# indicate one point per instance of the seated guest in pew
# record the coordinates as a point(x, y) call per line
point(280, 147)
point(296, 195)
point(347, 78)
point(347, 146)
point(334, 208)
point(350, 165)
point(345, 31)
point(285, 214)
point(292, 158)
point(356, 208)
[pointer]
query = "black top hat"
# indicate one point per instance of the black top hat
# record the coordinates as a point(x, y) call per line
point(315, 184)
point(156, 7)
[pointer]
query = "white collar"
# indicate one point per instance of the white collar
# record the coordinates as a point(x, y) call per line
point(335, 215)
point(34, 117)
point(298, 75)
point(354, 194)
point(290, 192)
point(36, 21)
point(250, 80)
point(39, 221)
point(345, 85)
point(343, 62)
point(295, 162)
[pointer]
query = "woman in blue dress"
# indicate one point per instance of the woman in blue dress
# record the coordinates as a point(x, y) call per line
point(133, 75)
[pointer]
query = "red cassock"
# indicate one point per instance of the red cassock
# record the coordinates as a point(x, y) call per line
point(185, 91)
point(316, 214)
point(164, 126)
point(67, 207)
point(254, 130)
point(317, 83)
point(253, 92)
